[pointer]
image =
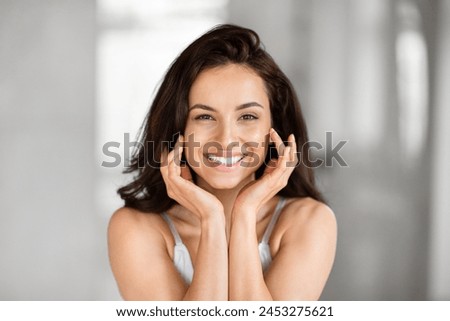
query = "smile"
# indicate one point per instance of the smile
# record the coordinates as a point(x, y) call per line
point(227, 161)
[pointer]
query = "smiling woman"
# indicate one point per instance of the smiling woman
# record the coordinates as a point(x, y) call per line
point(229, 209)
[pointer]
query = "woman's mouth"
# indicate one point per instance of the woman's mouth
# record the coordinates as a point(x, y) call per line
point(225, 161)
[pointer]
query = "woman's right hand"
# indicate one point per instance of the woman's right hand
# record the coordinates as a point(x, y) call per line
point(181, 188)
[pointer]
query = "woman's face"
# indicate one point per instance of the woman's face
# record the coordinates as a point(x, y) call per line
point(227, 127)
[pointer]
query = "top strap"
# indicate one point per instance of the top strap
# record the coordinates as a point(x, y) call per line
point(273, 220)
point(174, 231)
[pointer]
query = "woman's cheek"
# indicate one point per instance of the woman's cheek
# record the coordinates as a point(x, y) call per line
point(255, 148)
point(192, 148)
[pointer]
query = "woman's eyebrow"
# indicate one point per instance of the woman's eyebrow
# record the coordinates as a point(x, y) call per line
point(201, 106)
point(243, 106)
point(250, 104)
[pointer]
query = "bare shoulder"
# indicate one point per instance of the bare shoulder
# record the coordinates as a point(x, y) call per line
point(131, 231)
point(308, 216)
point(308, 208)
point(138, 252)
point(130, 222)
point(129, 216)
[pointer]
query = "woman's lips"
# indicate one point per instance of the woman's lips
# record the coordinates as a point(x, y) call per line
point(227, 161)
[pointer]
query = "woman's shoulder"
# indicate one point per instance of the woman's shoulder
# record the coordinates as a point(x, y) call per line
point(307, 206)
point(138, 251)
point(308, 215)
point(126, 216)
point(134, 224)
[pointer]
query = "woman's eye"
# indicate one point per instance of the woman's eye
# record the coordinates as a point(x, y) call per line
point(248, 117)
point(204, 117)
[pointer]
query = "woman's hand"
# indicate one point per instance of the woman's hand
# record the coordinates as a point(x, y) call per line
point(180, 186)
point(275, 177)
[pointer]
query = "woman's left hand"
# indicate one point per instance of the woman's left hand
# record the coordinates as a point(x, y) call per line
point(275, 177)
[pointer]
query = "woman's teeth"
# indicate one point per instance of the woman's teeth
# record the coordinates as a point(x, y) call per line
point(228, 161)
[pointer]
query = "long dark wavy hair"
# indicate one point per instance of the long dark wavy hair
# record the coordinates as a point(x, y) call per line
point(222, 45)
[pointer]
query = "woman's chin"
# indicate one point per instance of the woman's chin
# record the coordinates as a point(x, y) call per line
point(224, 182)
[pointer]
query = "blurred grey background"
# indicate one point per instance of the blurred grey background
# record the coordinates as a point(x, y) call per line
point(77, 74)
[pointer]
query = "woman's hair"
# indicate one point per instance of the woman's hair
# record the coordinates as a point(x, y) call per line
point(223, 45)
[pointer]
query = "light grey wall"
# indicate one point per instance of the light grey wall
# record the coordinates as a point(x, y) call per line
point(50, 237)
point(439, 271)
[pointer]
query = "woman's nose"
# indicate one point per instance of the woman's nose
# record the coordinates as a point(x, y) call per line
point(226, 136)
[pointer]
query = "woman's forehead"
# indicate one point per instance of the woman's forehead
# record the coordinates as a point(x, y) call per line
point(229, 84)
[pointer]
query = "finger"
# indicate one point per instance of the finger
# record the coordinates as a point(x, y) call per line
point(282, 164)
point(164, 164)
point(164, 168)
point(175, 164)
point(278, 166)
point(284, 168)
point(170, 156)
point(179, 146)
point(272, 163)
point(172, 171)
point(291, 140)
point(275, 138)
point(164, 157)
point(293, 152)
point(284, 156)
point(291, 144)
point(270, 167)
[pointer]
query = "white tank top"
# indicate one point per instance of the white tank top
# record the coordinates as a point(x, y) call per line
point(182, 259)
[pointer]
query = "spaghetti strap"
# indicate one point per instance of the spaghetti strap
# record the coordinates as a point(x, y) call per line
point(174, 231)
point(181, 257)
point(273, 220)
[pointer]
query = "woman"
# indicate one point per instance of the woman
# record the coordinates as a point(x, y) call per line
point(223, 204)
